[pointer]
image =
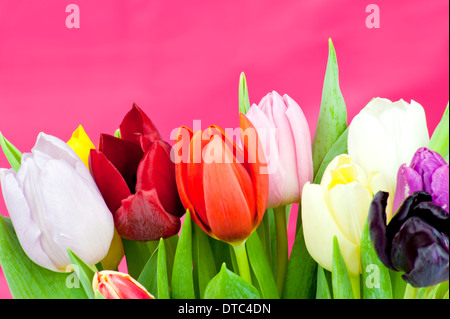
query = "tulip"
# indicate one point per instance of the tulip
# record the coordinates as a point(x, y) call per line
point(384, 135)
point(54, 204)
point(286, 141)
point(338, 206)
point(137, 179)
point(415, 241)
point(222, 184)
point(117, 285)
point(427, 172)
point(82, 145)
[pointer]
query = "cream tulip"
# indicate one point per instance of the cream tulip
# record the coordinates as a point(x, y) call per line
point(385, 135)
point(338, 206)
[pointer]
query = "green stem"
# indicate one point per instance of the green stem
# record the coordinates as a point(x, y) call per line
point(282, 247)
point(242, 260)
point(355, 281)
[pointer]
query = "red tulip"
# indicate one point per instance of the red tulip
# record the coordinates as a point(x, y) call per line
point(221, 184)
point(137, 179)
point(117, 285)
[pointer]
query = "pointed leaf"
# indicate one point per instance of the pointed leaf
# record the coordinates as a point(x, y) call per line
point(323, 290)
point(377, 282)
point(149, 275)
point(137, 254)
point(204, 264)
point(342, 286)
point(261, 267)
point(244, 102)
point(228, 285)
point(301, 277)
point(28, 280)
point(332, 119)
point(13, 155)
point(182, 276)
point(84, 272)
point(439, 141)
point(163, 281)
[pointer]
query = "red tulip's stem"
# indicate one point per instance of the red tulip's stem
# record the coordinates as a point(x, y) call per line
point(282, 247)
point(242, 260)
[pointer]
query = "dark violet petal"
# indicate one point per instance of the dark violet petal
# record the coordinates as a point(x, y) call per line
point(124, 155)
point(377, 228)
point(413, 235)
point(430, 268)
point(432, 214)
point(142, 218)
point(439, 187)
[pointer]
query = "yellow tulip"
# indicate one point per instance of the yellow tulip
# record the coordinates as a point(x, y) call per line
point(82, 145)
point(339, 207)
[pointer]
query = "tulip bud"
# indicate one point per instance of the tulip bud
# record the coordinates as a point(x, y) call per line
point(338, 207)
point(220, 183)
point(386, 134)
point(427, 172)
point(415, 241)
point(54, 204)
point(286, 140)
point(117, 285)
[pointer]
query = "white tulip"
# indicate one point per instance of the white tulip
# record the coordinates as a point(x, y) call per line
point(386, 134)
point(338, 207)
point(54, 204)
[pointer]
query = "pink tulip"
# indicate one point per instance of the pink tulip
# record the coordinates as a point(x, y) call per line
point(286, 139)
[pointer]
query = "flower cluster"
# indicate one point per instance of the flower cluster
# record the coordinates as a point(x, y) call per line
point(374, 193)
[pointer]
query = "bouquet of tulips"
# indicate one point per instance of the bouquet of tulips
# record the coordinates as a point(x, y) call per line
point(207, 216)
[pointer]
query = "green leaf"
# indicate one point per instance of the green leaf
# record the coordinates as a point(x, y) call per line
point(117, 133)
point(149, 274)
point(28, 280)
point(182, 276)
point(204, 264)
point(261, 267)
point(398, 284)
point(377, 282)
point(162, 276)
point(339, 147)
point(441, 290)
point(439, 141)
point(84, 272)
point(228, 285)
point(263, 231)
point(137, 254)
point(342, 286)
point(13, 155)
point(301, 277)
point(244, 101)
point(323, 290)
point(332, 119)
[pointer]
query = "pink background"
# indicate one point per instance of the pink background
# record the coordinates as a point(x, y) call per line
point(181, 61)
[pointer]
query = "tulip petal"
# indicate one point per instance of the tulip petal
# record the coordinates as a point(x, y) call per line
point(267, 134)
point(440, 186)
point(142, 218)
point(256, 167)
point(109, 180)
point(408, 182)
point(157, 171)
point(302, 138)
point(228, 209)
point(124, 155)
point(25, 227)
point(137, 124)
point(126, 288)
point(319, 229)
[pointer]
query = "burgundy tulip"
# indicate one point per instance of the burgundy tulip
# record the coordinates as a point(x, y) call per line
point(137, 179)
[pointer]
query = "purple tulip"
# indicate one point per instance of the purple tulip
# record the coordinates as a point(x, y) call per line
point(427, 172)
point(416, 239)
